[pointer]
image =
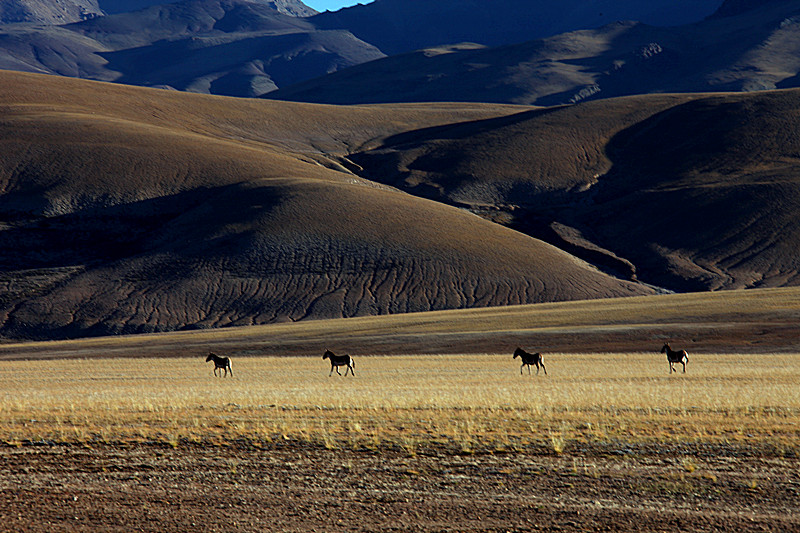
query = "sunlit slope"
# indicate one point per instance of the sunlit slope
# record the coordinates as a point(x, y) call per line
point(133, 210)
point(760, 320)
point(688, 192)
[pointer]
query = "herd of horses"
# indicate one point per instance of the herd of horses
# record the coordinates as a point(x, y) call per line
point(528, 359)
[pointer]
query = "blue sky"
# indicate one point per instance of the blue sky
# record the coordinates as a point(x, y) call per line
point(332, 5)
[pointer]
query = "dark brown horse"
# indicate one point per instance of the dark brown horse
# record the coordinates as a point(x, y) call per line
point(340, 360)
point(675, 356)
point(220, 362)
point(529, 359)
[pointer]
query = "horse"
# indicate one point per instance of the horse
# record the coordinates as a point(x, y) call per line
point(220, 362)
point(675, 356)
point(530, 359)
point(340, 360)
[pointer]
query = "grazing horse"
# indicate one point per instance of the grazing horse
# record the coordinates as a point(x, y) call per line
point(675, 356)
point(340, 360)
point(529, 359)
point(220, 362)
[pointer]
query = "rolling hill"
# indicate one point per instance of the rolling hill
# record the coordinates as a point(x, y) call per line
point(130, 210)
point(685, 192)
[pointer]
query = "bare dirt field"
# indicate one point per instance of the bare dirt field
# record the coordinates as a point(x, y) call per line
point(299, 488)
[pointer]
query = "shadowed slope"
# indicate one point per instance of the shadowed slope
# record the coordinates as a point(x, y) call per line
point(133, 210)
point(716, 189)
point(686, 192)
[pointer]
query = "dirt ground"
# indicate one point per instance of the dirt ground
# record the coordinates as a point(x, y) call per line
point(295, 487)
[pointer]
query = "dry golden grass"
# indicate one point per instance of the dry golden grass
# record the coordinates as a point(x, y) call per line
point(455, 403)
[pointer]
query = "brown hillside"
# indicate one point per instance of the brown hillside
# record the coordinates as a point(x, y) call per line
point(132, 210)
point(687, 192)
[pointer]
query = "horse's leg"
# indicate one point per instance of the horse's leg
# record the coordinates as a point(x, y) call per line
point(684, 366)
point(520, 368)
point(537, 369)
point(543, 368)
point(337, 371)
point(329, 375)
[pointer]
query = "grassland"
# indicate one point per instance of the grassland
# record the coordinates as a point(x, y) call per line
point(156, 388)
point(477, 403)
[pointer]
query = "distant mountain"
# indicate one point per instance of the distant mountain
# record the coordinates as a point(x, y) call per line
point(398, 26)
point(48, 11)
point(745, 46)
point(228, 47)
point(67, 11)
point(294, 8)
point(243, 47)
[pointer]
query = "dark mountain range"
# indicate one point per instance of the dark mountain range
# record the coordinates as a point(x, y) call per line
point(398, 26)
point(229, 47)
point(295, 8)
point(241, 47)
point(67, 11)
point(48, 11)
point(741, 48)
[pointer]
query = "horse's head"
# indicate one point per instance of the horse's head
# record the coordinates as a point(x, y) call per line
point(665, 348)
point(518, 353)
point(327, 354)
point(210, 357)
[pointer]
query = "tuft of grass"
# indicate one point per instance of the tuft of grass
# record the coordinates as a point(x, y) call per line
point(688, 465)
point(557, 441)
